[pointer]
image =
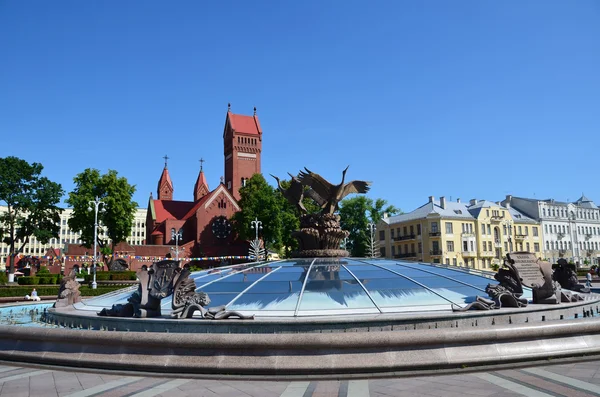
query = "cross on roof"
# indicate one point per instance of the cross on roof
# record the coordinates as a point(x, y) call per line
point(166, 158)
point(201, 163)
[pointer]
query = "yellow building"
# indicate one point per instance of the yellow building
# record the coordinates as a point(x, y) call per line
point(477, 234)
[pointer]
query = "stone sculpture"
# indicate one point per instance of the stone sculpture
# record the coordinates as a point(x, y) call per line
point(320, 235)
point(163, 279)
point(155, 284)
point(506, 294)
point(566, 276)
point(186, 301)
point(521, 268)
point(68, 293)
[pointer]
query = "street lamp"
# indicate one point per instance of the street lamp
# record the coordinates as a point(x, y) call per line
point(95, 205)
point(256, 224)
point(371, 227)
point(177, 236)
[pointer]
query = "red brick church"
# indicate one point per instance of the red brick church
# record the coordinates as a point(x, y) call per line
point(204, 222)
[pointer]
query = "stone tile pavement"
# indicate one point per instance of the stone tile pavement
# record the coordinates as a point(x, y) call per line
point(580, 379)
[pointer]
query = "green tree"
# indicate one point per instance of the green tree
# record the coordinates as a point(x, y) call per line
point(259, 201)
point(355, 214)
point(380, 207)
point(118, 211)
point(31, 202)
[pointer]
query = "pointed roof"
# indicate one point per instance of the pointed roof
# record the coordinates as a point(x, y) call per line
point(164, 177)
point(585, 202)
point(200, 182)
point(243, 124)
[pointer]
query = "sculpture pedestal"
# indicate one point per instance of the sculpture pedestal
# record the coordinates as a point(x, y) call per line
point(320, 236)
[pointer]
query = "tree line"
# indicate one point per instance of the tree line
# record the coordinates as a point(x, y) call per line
point(32, 202)
point(32, 206)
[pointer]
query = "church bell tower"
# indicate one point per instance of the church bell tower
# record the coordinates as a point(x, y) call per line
point(242, 140)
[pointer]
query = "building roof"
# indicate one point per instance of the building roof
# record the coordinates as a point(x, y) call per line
point(475, 209)
point(520, 217)
point(171, 209)
point(164, 177)
point(451, 210)
point(244, 124)
point(585, 202)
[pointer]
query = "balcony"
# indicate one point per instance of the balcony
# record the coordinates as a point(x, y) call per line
point(406, 255)
point(435, 234)
point(466, 235)
point(469, 254)
point(498, 244)
point(497, 218)
point(520, 237)
point(588, 237)
point(488, 254)
point(403, 238)
point(560, 236)
point(436, 252)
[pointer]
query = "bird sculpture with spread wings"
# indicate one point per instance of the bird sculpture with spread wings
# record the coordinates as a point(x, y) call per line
point(294, 194)
point(330, 194)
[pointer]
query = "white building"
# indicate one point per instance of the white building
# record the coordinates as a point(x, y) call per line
point(570, 230)
point(68, 236)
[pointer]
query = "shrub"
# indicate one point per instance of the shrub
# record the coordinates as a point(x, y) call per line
point(3, 278)
point(52, 290)
point(125, 275)
point(47, 280)
point(43, 270)
point(28, 280)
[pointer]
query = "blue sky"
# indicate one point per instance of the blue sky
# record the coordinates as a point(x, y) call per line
point(469, 99)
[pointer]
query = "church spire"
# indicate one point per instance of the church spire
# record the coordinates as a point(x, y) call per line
point(201, 187)
point(165, 186)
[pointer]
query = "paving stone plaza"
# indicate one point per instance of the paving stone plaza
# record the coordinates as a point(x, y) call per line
point(579, 379)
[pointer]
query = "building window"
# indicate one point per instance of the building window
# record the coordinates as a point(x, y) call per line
point(392, 233)
point(382, 251)
point(544, 211)
point(489, 229)
point(465, 246)
point(420, 248)
point(528, 247)
point(412, 230)
point(536, 247)
point(393, 250)
point(482, 229)
point(419, 230)
point(412, 248)
point(404, 230)
point(450, 246)
point(434, 227)
point(453, 261)
point(448, 227)
point(382, 235)
point(490, 246)
point(448, 261)
point(535, 231)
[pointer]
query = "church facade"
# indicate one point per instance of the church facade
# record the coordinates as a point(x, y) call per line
point(202, 225)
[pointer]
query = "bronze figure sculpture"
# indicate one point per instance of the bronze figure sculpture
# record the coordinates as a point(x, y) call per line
point(333, 194)
point(320, 234)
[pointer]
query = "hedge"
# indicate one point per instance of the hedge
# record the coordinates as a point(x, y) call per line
point(111, 276)
point(52, 290)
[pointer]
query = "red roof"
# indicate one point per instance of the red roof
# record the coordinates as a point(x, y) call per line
point(195, 207)
point(245, 124)
point(164, 177)
point(168, 209)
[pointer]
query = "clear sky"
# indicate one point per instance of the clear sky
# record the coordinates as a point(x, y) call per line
point(469, 99)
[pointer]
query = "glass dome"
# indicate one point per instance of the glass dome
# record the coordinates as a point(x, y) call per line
point(317, 287)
